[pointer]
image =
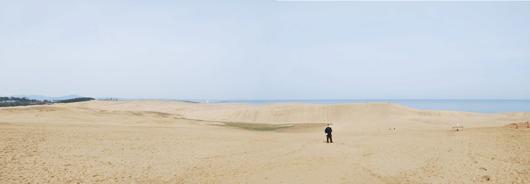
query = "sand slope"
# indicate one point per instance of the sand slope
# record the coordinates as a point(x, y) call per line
point(362, 116)
point(162, 142)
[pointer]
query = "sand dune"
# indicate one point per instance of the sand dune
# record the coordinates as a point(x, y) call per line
point(364, 116)
point(177, 142)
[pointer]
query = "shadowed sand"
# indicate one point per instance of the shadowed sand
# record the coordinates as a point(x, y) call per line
point(177, 142)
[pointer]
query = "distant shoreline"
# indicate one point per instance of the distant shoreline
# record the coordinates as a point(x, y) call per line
point(465, 105)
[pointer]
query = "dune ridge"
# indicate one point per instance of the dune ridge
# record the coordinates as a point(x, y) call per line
point(366, 116)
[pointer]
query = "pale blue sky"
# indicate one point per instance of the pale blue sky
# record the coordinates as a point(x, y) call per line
point(266, 49)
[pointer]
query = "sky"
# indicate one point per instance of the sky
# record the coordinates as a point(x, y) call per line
point(265, 49)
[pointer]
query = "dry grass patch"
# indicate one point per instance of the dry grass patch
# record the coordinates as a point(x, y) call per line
point(295, 127)
point(256, 126)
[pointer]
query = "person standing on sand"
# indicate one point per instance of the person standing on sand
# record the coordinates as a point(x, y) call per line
point(328, 132)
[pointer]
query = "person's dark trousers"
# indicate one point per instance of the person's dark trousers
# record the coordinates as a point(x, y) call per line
point(329, 138)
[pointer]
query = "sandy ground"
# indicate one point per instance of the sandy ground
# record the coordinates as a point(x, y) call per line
point(170, 142)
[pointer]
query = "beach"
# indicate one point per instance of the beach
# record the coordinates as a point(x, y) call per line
point(156, 141)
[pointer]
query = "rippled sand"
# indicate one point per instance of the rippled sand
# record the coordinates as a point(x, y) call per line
point(176, 142)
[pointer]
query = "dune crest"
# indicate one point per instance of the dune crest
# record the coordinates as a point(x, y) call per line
point(362, 116)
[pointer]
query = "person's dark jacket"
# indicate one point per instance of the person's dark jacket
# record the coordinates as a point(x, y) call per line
point(328, 131)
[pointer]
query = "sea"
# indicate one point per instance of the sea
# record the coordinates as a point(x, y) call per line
point(478, 106)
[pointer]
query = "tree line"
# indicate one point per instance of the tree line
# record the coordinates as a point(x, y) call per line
point(82, 99)
point(15, 101)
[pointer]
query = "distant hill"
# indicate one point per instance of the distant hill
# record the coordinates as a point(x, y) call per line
point(41, 98)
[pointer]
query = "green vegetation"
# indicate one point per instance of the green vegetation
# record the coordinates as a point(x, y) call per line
point(14, 101)
point(75, 100)
point(256, 126)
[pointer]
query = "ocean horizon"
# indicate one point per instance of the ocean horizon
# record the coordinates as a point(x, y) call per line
point(467, 105)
